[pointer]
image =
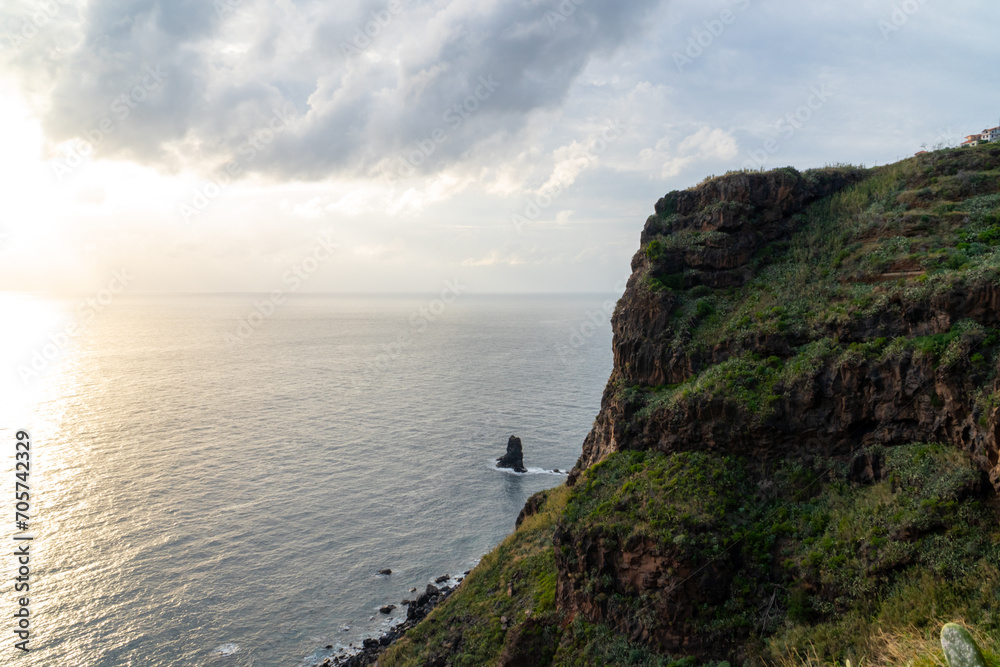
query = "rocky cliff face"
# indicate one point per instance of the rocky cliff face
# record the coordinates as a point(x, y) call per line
point(779, 317)
point(715, 240)
point(642, 570)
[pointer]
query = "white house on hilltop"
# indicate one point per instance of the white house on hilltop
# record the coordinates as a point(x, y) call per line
point(988, 135)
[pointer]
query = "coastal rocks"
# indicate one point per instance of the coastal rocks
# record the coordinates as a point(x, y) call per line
point(514, 458)
point(416, 611)
point(424, 602)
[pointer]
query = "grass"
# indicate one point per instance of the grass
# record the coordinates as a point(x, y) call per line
point(883, 564)
point(674, 500)
point(910, 646)
point(819, 567)
point(848, 565)
point(596, 645)
point(467, 627)
point(748, 381)
point(907, 234)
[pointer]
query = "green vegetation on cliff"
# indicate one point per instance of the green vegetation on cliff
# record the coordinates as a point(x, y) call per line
point(816, 565)
point(909, 232)
point(516, 582)
point(820, 568)
point(755, 490)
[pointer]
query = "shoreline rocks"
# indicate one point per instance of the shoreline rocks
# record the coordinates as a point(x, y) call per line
point(416, 611)
point(514, 458)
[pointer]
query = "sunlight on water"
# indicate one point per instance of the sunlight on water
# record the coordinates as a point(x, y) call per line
point(32, 345)
point(38, 358)
point(198, 503)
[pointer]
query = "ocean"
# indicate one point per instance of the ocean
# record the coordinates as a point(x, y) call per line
point(216, 480)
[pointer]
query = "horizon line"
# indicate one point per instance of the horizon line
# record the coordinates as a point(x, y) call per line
point(290, 294)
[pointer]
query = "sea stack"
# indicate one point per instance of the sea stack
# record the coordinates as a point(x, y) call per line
point(514, 458)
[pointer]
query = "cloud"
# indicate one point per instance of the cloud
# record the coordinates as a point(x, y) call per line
point(575, 158)
point(91, 194)
point(370, 250)
point(356, 118)
point(445, 78)
point(705, 144)
point(312, 209)
point(495, 258)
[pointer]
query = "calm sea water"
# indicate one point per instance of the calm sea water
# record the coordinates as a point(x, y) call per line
point(204, 502)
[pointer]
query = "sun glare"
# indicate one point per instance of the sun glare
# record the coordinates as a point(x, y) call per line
point(34, 341)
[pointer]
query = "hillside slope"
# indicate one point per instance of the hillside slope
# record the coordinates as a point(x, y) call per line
point(796, 457)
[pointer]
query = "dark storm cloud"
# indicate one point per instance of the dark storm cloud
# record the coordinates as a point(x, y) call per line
point(363, 103)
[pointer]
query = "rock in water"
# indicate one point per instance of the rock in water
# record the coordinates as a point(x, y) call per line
point(514, 458)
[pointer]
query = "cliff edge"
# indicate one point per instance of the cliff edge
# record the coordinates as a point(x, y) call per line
point(796, 457)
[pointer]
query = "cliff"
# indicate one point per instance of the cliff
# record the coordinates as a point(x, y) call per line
point(796, 457)
point(821, 349)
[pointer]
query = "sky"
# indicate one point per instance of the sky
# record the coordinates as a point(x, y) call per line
point(397, 145)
